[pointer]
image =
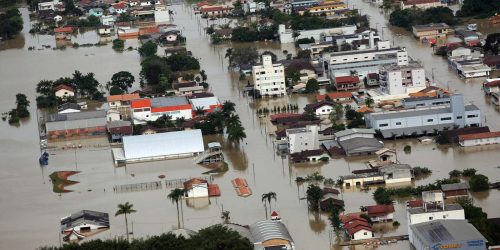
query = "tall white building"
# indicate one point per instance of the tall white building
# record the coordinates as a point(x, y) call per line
point(269, 78)
point(402, 79)
point(302, 139)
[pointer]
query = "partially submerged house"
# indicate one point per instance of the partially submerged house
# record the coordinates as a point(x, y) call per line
point(74, 125)
point(331, 199)
point(358, 141)
point(385, 157)
point(455, 190)
point(321, 108)
point(83, 224)
point(119, 129)
point(380, 213)
point(267, 234)
point(356, 227)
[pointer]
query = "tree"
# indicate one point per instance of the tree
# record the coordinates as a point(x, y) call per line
point(339, 110)
point(268, 197)
point(335, 219)
point(369, 101)
point(312, 86)
point(219, 237)
point(152, 69)
point(304, 54)
point(203, 75)
point(479, 8)
point(240, 56)
point(122, 80)
point(182, 62)
point(176, 195)
point(455, 173)
point(118, 45)
point(148, 49)
point(22, 106)
point(314, 194)
point(228, 107)
point(11, 23)
point(469, 172)
point(225, 216)
point(86, 85)
point(126, 208)
point(236, 133)
point(479, 183)
point(492, 43)
point(382, 197)
point(115, 91)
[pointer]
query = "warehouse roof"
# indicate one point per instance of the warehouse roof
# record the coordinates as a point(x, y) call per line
point(162, 144)
point(85, 217)
point(168, 101)
point(355, 131)
point(205, 103)
point(267, 230)
point(441, 231)
point(76, 120)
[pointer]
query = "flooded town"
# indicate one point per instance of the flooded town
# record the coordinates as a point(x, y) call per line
point(255, 124)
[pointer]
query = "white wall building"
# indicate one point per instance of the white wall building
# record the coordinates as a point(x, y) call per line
point(196, 188)
point(301, 139)
point(50, 5)
point(401, 80)
point(286, 35)
point(144, 110)
point(269, 78)
point(162, 16)
point(478, 139)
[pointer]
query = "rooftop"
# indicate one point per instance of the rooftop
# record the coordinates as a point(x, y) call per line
point(431, 26)
point(365, 51)
point(168, 101)
point(268, 230)
point(76, 116)
point(346, 79)
point(355, 131)
point(417, 112)
point(416, 2)
point(334, 95)
point(439, 231)
point(421, 210)
point(380, 209)
point(477, 136)
point(124, 97)
point(83, 217)
point(455, 186)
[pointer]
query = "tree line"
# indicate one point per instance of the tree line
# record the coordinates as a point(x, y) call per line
point(414, 16)
point(11, 23)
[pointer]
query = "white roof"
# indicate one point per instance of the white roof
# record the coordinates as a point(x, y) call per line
point(354, 131)
point(163, 144)
point(205, 102)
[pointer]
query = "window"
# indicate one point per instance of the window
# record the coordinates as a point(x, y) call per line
point(398, 123)
point(365, 233)
point(445, 118)
point(459, 117)
point(430, 218)
point(471, 116)
point(430, 120)
point(383, 125)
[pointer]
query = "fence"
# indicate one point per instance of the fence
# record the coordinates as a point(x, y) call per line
point(138, 187)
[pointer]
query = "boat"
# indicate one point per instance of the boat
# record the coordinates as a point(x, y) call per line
point(44, 159)
point(472, 26)
point(127, 32)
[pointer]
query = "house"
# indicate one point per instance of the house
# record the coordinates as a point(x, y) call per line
point(358, 141)
point(121, 101)
point(372, 79)
point(356, 227)
point(150, 109)
point(189, 91)
point(83, 224)
point(207, 104)
point(266, 234)
point(337, 97)
point(161, 146)
point(215, 10)
point(252, 7)
point(469, 37)
point(68, 107)
point(426, 101)
point(119, 129)
point(346, 83)
point(196, 188)
point(432, 208)
point(386, 156)
point(332, 9)
point(97, 12)
point(108, 20)
point(455, 189)
point(287, 35)
point(491, 85)
point(224, 33)
point(312, 155)
point(321, 108)
point(420, 121)
point(73, 125)
point(269, 78)
point(302, 139)
point(492, 61)
point(118, 8)
point(478, 139)
point(330, 199)
point(396, 173)
point(381, 213)
point(362, 179)
point(161, 14)
point(431, 31)
point(446, 234)
point(104, 30)
point(421, 4)
point(402, 79)
point(50, 5)
point(64, 91)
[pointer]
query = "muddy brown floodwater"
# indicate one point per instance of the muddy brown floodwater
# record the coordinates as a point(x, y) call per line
point(30, 211)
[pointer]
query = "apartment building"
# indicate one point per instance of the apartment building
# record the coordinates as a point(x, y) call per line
point(269, 78)
point(402, 79)
point(431, 31)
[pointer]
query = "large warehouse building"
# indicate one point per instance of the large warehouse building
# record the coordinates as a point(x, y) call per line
point(160, 146)
point(74, 125)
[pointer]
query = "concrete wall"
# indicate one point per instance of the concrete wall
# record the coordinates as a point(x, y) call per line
point(478, 142)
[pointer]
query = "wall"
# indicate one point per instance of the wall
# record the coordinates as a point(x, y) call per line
point(269, 78)
point(363, 234)
point(477, 142)
point(142, 117)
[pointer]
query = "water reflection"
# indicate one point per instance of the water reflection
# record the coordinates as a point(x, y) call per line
point(317, 223)
point(198, 203)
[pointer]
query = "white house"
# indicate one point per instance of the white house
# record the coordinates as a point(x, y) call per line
point(196, 188)
point(121, 101)
point(396, 173)
point(286, 35)
point(491, 85)
point(113, 115)
point(64, 91)
point(321, 108)
point(150, 109)
point(108, 20)
point(478, 139)
point(49, 5)
point(118, 8)
point(378, 213)
point(421, 4)
point(302, 139)
point(269, 78)
point(84, 223)
point(356, 227)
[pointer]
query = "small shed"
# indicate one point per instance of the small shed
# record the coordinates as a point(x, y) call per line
point(455, 190)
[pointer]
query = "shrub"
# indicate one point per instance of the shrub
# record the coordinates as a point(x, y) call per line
point(469, 172)
point(455, 173)
point(395, 223)
point(479, 183)
point(407, 149)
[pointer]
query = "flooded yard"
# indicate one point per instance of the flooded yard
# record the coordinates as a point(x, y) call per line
point(31, 212)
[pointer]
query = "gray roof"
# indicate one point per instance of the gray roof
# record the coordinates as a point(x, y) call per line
point(384, 115)
point(365, 51)
point(455, 186)
point(163, 144)
point(354, 131)
point(85, 217)
point(445, 231)
point(361, 145)
point(471, 107)
point(89, 119)
point(397, 170)
point(449, 207)
point(386, 133)
point(431, 26)
point(267, 230)
point(68, 105)
point(117, 124)
point(167, 101)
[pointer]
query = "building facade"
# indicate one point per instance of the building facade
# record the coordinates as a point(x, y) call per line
point(269, 78)
point(144, 110)
point(402, 80)
point(302, 139)
point(431, 31)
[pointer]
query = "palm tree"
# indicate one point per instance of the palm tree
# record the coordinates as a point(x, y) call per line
point(228, 107)
point(125, 209)
point(236, 133)
point(369, 102)
point(225, 216)
point(268, 197)
point(199, 111)
point(176, 195)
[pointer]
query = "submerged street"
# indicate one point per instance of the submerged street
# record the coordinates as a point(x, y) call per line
point(30, 208)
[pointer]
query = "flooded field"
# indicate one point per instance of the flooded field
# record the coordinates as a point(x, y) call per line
point(31, 212)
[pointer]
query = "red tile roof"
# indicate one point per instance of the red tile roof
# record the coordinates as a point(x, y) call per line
point(416, 2)
point(239, 182)
point(495, 83)
point(330, 190)
point(66, 29)
point(213, 190)
point(189, 184)
point(315, 106)
point(141, 103)
point(201, 4)
point(377, 210)
point(120, 5)
point(284, 115)
point(479, 136)
point(335, 95)
point(365, 109)
point(213, 8)
point(415, 203)
point(492, 60)
point(124, 97)
point(346, 79)
point(64, 86)
point(243, 191)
